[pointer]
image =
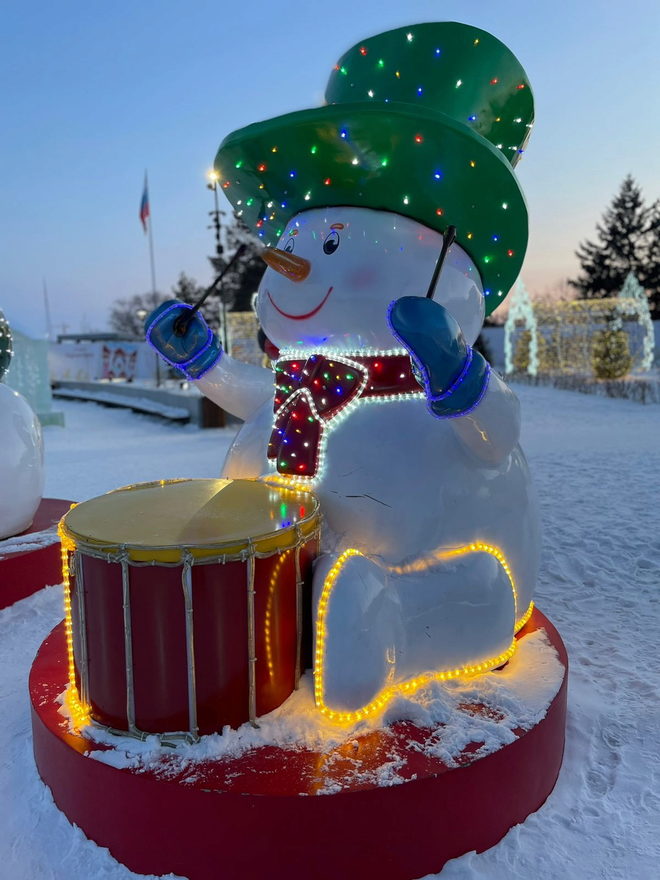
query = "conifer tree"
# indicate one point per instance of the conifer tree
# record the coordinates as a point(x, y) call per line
point(623, 244)
point(239, 285)
point(648, 272)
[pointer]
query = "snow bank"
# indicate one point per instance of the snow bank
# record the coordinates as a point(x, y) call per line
point(596, 462)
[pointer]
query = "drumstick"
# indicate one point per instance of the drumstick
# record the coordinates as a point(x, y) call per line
point(447, 242)
point(181, 323)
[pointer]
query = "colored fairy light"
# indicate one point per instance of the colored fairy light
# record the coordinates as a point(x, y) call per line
point(437, 51)
point(487, 259)
point(343, 133)
point(505, 205)
point(517, 119)
point(473, 164)
point(437, 175)
point(260, 223)
point(342, 368)
point(238, 164)
point(496, 238)
point(355, 161)
point(226, 184)
point(249, 202)
point(469, 235)
point(383, 162)
point(521, 86)
point(472, 118)
point(509, 253)
point(499, 293)
point(261, 166)
point(292, 173)
point(409, 37)
point(420, 90)
point(313, 149)
point(459, 83)
point(406, 200)
point(343, 70)
point(439, 212)
point(370, 93)
point(327, 181)
point(308, 196)
point(418, 139)
point(381, 63)
point(397, 74)
point(494, 81)
point(363, 50)
point(476, 42)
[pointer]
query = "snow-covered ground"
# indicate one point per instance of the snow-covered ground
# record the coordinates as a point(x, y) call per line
point(596, 463)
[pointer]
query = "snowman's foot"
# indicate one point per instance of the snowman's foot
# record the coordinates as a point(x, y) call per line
point(458, 614)
point(357, 628)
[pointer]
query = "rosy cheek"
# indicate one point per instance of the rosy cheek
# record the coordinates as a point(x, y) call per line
point(361, 277)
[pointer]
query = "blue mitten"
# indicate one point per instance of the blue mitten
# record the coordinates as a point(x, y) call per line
point(195, 352)
point(453, 376)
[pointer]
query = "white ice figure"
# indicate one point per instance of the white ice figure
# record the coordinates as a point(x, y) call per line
point(21, 463)
point(441, 511)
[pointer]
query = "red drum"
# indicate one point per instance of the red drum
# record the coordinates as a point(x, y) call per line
point(187, 601)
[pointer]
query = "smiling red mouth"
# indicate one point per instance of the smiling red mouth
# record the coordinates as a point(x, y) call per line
point(307, 314)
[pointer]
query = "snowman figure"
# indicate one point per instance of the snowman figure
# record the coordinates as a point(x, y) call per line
point(395, 223)
point(21, 462)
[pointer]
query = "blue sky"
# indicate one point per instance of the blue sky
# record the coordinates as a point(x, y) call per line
point(94, 93)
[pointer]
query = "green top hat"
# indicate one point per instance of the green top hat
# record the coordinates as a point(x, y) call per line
point(426, 121)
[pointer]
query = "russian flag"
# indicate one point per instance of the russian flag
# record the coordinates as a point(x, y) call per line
point(144, 205)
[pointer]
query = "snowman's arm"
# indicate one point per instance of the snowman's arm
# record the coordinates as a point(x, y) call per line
point(492, 428)
point(237, 387)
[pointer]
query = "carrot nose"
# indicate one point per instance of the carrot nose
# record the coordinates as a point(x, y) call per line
point(292, 267)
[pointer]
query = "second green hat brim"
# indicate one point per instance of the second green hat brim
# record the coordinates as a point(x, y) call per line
point(390, 157)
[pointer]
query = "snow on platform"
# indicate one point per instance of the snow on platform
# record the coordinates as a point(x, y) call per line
point(596, 464)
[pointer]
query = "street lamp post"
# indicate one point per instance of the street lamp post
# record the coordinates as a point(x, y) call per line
point(213, 177)
point(141, 314)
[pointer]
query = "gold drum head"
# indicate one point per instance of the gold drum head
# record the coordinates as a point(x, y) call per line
point(156, 522)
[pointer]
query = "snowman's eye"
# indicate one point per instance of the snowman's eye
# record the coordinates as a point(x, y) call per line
point(331, 243)
point(288, 247)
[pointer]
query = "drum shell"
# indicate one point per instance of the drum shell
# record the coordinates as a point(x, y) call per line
point(220, 629)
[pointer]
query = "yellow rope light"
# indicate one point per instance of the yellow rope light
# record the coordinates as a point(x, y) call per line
point(408, 687)
point(523, 620)
point(80, 714)
point(268, 616)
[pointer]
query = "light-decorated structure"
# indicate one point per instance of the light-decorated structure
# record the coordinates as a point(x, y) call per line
point(565, 336)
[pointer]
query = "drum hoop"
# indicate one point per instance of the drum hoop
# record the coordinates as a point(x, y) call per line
point(229, 551)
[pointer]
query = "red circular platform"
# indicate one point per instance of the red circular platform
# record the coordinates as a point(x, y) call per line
point(295, 814)
point(32, 560)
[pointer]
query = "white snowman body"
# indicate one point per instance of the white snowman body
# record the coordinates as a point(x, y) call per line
point(430, 539)
point(21, 463)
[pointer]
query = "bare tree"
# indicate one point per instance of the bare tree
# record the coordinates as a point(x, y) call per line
point(125, 313)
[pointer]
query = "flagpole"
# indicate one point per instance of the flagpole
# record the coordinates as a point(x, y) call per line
point(49, 326)
point(151, 240)
point(145, 216)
